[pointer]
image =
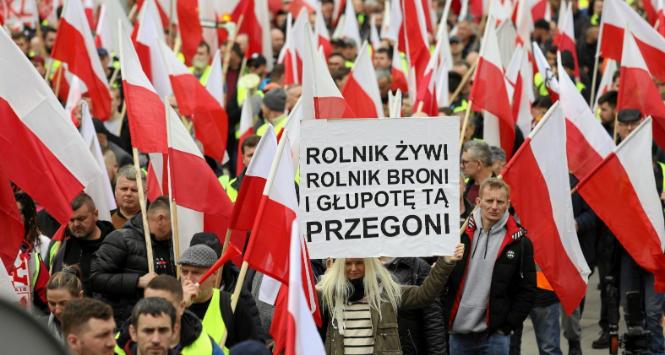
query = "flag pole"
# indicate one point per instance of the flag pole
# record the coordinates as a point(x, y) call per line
point(595, 74)
point(144, 216)
point(58, 80)
point(227, 241)
point(465, 123)
point(465, 79)
point(175, 232)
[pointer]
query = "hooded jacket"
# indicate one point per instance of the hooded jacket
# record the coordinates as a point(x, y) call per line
point(512, 284)
point(121, 260)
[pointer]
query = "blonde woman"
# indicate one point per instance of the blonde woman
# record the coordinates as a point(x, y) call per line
point(360, 301)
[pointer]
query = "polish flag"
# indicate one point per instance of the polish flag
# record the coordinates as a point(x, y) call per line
point(191, 32)
point(397, 71)
point(445, 63)
point(361, 89)
point(393, 23)
point(89, 10)
point(524, 23)
point(543, 203)
point(321, 97)
point(74, 97)
point(12, 228)
point(270, 239)
point(42, 151)
point(202, 204)
point(638, 90)
point(75, 46)
point(301, 332)
point(253, 183)
point(415, 35)
point(606, 81)
point(245, 129)
point(541, 9)
point(426, 95)
point(374, 37)
point(110, 14)
point(163, 15)
point(660, 20)
point(587, 141)
point(322, 33)
point(60, 82)
point(215, 84)
point(619, 16)
point(209, 117)
point(350, 28)
point(632, 211)
point(145, 110)
point(520, 88)
point(288, 57)
point(100, 189)
point(565, 37)
point(487, 96)
point(551, 82)
point(149, 34)
point(256, 25)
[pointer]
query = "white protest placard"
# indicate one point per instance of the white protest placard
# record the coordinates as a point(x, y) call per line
point(372, 188)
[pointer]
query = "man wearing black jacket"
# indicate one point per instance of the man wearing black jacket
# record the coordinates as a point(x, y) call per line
point(491, 291)
point(119, 270)
point(83, 236)
point(420, 331)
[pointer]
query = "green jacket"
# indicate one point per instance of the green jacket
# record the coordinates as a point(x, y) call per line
point(386, 337)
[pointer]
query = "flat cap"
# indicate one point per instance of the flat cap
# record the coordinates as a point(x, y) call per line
point(199, 255)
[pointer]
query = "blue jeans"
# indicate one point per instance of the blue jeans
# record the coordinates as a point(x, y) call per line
point(479, 344)
point(634, 278)
point(546, 326)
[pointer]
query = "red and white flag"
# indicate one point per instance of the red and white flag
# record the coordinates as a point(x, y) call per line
point(12, 227)
point(42, 151)
point(638, 90)
point(587, 142)
point(619, 17)
point(100, 189)
point(632, 211)
point(256, 25)
point(215, 84)
point(543, 204)
point(415, 36)
point(301, 332)
point(541, 9)
point(322, 33)
point(75, 46)
point(361, 89)
point(253, 183)
point(321, 97)
point(145, 110)
point(194, 101)
point(148, 36)
point(607, 80)
point(245, 129)
point(350, 28)
point(106, 35)
point(202, 204)
point(660, 18)
point(547, 74)
point(491, 98)
point(426, 93)
point(520, 88)
point(189, 24)
point(565, 37)
point(270, 240)
point(292, 52)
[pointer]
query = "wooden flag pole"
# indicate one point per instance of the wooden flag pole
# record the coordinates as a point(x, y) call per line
point(175, 232)
point(144, 215)
point(465, 79)
point(58, 79)
point(227, 241)
point(465, 123)
point(595, 77)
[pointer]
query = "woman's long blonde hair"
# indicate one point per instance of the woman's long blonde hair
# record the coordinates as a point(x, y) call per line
point(336, 289)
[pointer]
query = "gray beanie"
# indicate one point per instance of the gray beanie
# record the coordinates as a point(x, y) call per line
point(275, 99)
point(199, 255)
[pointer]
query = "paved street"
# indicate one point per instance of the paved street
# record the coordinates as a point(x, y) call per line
point(590, 327)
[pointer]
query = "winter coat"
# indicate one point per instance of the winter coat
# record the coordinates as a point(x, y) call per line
point(386, 336)
point(58, 250)
point(513, 283)
point(121, 260)
point(421, 331)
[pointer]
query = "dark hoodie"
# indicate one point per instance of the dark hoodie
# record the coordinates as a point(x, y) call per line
point(121, 260)
point(190, 329)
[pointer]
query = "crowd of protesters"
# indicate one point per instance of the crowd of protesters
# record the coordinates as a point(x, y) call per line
point(90, 279)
